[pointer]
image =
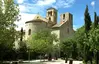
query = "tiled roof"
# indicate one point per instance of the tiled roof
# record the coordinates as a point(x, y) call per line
point(35, 20)
point(57, 25)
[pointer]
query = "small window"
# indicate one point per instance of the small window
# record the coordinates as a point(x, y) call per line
point(63, 16)
point(49, 19)
point(29, 32)
point(50, 13)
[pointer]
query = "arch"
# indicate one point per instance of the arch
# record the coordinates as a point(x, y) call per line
point(49, 19)
point(29, 32)
point(63, 16)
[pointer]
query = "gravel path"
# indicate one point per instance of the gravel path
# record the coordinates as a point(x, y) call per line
point(63, 62)
point(59, 61)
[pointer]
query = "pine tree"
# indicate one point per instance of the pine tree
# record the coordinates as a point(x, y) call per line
point(87, 20)
point(95, 20)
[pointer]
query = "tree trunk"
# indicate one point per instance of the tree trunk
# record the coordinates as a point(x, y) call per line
point(96, 57)
point(71, 62)
point(66, 59)
point(50, 57)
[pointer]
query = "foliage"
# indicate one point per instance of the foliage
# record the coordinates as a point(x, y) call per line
point(69, 48)
point(87, 20)
point(8, 15)
point(94, 39)
point(42, 41)
point(95, 20)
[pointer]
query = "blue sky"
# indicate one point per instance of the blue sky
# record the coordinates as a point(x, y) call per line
point(29, 8)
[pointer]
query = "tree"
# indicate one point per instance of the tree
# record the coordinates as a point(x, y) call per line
point(69, 48)
point(98, 19)
point(87, 20)
point(87, 29)
point(94, 42)
point(95, 20)
point(8, 15)
point(42, 42)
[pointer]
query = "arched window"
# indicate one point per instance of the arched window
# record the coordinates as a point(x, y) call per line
point(50, 13)
point(49, 19)
point(63, 16)
point(29, 32)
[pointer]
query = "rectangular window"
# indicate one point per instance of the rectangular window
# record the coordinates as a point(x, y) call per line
point(63, 16)
point(29, 32)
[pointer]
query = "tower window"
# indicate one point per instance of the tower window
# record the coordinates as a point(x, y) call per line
point(63, 16)
point(50, 13)
point(49, 19)
point(29, 32)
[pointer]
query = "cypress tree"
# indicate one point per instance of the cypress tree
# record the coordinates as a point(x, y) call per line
point(95, 20)
point(87, 20)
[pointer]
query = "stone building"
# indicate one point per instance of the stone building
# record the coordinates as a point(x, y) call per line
point(63, 29)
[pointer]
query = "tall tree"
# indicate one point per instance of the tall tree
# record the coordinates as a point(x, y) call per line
point(95, 20)
point(8, 15)
point(87, 20)
point(94, 43)
point(42, 42)
point(98, 19)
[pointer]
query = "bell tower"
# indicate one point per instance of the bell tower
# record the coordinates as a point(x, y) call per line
point(67, 17)
point(51, 16)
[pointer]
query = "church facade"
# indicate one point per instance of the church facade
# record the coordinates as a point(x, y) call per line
point(63, 29)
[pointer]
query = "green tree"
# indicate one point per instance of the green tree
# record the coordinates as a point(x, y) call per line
point(94, 42)
point(87, 20)
point(8, 15)
point(95, 20)
point(42, 42)
point(87, 29)
point(98, 19)
point(69, 48)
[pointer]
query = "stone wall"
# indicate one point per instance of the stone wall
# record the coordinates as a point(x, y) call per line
point(34, 26)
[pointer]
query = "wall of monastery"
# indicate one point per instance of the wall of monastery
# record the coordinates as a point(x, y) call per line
point(34, 27)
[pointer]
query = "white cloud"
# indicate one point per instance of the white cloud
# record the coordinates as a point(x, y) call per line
point(22, 8)
point(93, 3)
point(41, 5)
point(20, 1)
point(45, 2)
point(64, 3)
point(24, 17)
point(31, 8)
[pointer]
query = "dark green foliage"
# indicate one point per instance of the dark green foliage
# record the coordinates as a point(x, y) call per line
point(69, 48)
point(95, 20)
point(98, 19)
point(87, 20)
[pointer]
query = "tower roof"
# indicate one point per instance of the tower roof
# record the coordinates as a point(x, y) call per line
point(35, 20)
point(51, 8)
